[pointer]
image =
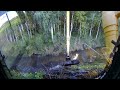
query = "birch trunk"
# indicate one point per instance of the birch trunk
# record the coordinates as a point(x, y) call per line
point(91, 25)
point(98, 30)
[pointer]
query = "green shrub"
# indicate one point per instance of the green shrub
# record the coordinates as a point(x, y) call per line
point(38, 75)
point(19, 75)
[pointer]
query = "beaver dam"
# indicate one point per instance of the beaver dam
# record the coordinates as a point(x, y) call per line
point(89, 66)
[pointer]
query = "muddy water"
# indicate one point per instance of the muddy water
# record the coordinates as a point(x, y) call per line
point(37, 62)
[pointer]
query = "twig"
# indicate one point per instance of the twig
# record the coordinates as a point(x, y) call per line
point(47, 70)
point(94, 50)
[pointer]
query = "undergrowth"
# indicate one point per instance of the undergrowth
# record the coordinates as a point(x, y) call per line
point(19, 75)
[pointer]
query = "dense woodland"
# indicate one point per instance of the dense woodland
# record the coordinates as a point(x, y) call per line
point(44, 32)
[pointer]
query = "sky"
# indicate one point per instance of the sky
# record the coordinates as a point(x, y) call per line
point(3, 18)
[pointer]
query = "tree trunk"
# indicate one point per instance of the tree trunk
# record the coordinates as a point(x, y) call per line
point(31, 22)
point(80, 30)
point(64, 29)
point(22, 18)
point(13, 34)
point(52, 34)
point(20, 30)
point(54, 27)
point(91, 25)
point(7, 35)
point(71, 25)
point(98, 30)
point(28, 31)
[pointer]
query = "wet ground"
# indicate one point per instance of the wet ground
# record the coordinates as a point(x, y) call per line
point(36, 63)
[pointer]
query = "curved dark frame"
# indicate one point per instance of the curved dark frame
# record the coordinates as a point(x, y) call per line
point(112, 73)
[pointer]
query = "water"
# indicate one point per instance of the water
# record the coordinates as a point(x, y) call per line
point(38, 62)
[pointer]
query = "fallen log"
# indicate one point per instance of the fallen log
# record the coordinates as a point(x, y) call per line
point(71, 62)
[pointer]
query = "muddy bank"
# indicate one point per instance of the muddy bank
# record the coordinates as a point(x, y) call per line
point(36, 62)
